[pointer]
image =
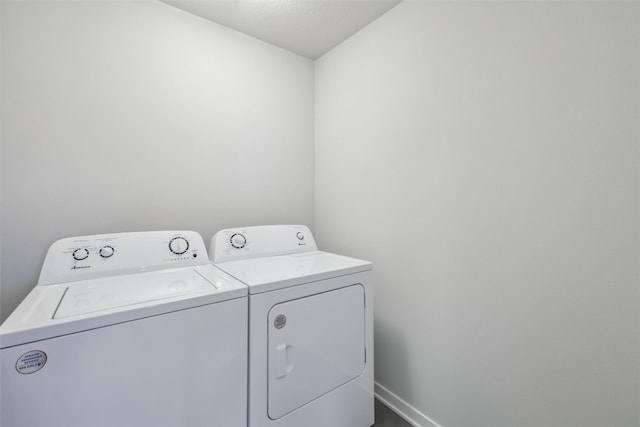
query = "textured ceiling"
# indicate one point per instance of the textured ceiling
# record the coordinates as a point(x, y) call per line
point(306, 27)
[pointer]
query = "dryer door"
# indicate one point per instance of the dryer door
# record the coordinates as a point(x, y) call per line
point(316, 344)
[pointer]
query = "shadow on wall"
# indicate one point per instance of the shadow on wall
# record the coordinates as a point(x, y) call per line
point(391, 342)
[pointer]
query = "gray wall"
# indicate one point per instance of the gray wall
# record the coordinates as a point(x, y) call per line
point(125, 116)
point(485, 155)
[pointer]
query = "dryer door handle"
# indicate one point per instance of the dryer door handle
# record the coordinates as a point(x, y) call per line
point(284, 360)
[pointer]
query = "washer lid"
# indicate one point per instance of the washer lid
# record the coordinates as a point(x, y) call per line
point(91, 296)
point(282, 271)
point(66, 308)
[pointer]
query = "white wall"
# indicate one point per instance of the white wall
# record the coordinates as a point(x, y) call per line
point(485, 155)
point(124, 116)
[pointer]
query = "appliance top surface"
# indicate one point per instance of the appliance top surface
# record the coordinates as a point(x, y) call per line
point(92, 296)
point(276, 272)
point(61, 309)
point(94, 281)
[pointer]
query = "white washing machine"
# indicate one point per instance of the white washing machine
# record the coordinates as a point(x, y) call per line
point(130, 329)
point(310, 327)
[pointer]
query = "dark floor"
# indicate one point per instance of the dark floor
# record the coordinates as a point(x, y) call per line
point(385, 417)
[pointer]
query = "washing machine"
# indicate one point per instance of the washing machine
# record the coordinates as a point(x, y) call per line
point(310, 327)
point(130, 329)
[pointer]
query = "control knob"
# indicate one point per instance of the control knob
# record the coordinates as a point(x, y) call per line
point(238, 241)
point(106, 251)
point(80, 254)
point(179, 245)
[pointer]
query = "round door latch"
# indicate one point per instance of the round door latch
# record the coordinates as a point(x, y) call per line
point(280, 321)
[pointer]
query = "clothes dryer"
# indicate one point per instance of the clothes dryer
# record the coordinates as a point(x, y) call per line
point(129, 329)
point(310, 327)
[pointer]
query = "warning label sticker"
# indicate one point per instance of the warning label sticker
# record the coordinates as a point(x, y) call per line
point(31, 362)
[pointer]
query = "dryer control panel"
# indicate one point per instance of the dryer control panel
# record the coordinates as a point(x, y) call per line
point(89, 257)
point(260, 241)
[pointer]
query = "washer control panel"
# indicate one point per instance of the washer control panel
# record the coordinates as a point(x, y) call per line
point(260, 241)
point(85, 257)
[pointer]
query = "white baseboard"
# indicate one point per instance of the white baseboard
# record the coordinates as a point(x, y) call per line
point(402, 408)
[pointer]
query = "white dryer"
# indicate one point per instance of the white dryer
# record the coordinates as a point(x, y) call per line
point(310, 327)
point(130, 329)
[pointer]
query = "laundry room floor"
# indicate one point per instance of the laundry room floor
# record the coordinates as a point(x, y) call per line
point(385, 417)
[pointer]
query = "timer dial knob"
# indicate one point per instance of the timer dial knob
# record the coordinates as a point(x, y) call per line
point(179, 245)
point(106, 251)
point(238, 241)
point(80, 254)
